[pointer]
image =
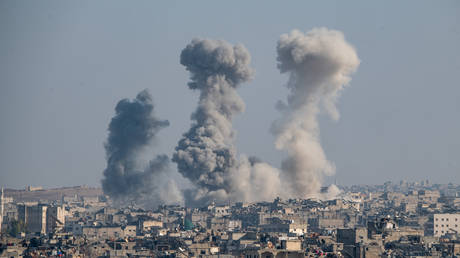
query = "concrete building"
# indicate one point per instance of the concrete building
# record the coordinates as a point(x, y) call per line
point(70, 199)
point(271, 253)
point(220, 211)
point(33, 188)
point(34, 217)
point(106, 232)
point(284, 227)
point(55, 218)
point(203, 249)
point(41, 218)
point(103, 232)
point(147, 225)
point(446, 223)
point(319, 223)
point(350, 236)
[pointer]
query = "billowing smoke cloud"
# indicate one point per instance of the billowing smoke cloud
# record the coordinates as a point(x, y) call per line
point(206, 154)
point(253, 180)
point(332, 193)
point(133, 128)
point(319, 65)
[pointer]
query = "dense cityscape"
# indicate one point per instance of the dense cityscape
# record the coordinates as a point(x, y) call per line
point(405, 219)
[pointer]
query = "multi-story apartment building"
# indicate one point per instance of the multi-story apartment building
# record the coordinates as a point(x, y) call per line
point(55, 218)
point(34, 217)
point(446, 223)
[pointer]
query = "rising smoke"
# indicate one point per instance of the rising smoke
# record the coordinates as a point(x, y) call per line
point(206, 154)
point(131, 130)
point(319, 65)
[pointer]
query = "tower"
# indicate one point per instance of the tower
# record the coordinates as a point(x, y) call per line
point(1, 211)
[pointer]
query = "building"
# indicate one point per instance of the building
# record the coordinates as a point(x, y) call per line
point(33, 188)
point(112, 231)
point(103, 232)
point(220, 211)
point(350, 236)
point(147, 225)
point(446, 223)
point(290, 250)
point(41, 218)
point(55, 218)
point(286, 227)
point(34, 217)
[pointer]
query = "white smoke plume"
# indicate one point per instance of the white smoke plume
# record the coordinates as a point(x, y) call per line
point(253, 181)
point(133, 128)
point(319, 64)
point(332, 193)
point(206, 154)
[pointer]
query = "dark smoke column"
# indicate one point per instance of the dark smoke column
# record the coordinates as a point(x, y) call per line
point(319, 64)
point(133, 127)
point(205, 154)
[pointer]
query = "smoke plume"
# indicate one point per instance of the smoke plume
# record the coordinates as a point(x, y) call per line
point(206, 154)
point(133, 128)
point(319, 65)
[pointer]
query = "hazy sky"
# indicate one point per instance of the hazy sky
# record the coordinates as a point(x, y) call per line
point(64, 65)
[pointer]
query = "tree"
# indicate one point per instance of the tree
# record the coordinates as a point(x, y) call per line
point(15, 227)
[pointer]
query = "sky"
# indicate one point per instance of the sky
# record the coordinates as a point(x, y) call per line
point(65, 64)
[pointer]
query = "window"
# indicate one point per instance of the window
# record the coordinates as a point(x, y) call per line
point(436, 219)
point(442, 219)
point(447, 219)
point(436, 225)
point(442, 225)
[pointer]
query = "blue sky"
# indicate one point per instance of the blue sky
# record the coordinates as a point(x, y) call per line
point(64, 65)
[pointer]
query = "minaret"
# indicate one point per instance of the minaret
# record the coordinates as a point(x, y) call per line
point(1, 211)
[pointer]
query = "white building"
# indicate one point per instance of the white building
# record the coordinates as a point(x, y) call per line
point(55, 218)
point(446, 223)
point(41, 218)
point(106, 232)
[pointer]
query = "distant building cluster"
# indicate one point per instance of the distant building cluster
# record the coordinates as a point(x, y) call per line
point(389, 220)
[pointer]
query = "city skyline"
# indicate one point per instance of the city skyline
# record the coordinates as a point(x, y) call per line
point(397, 220)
